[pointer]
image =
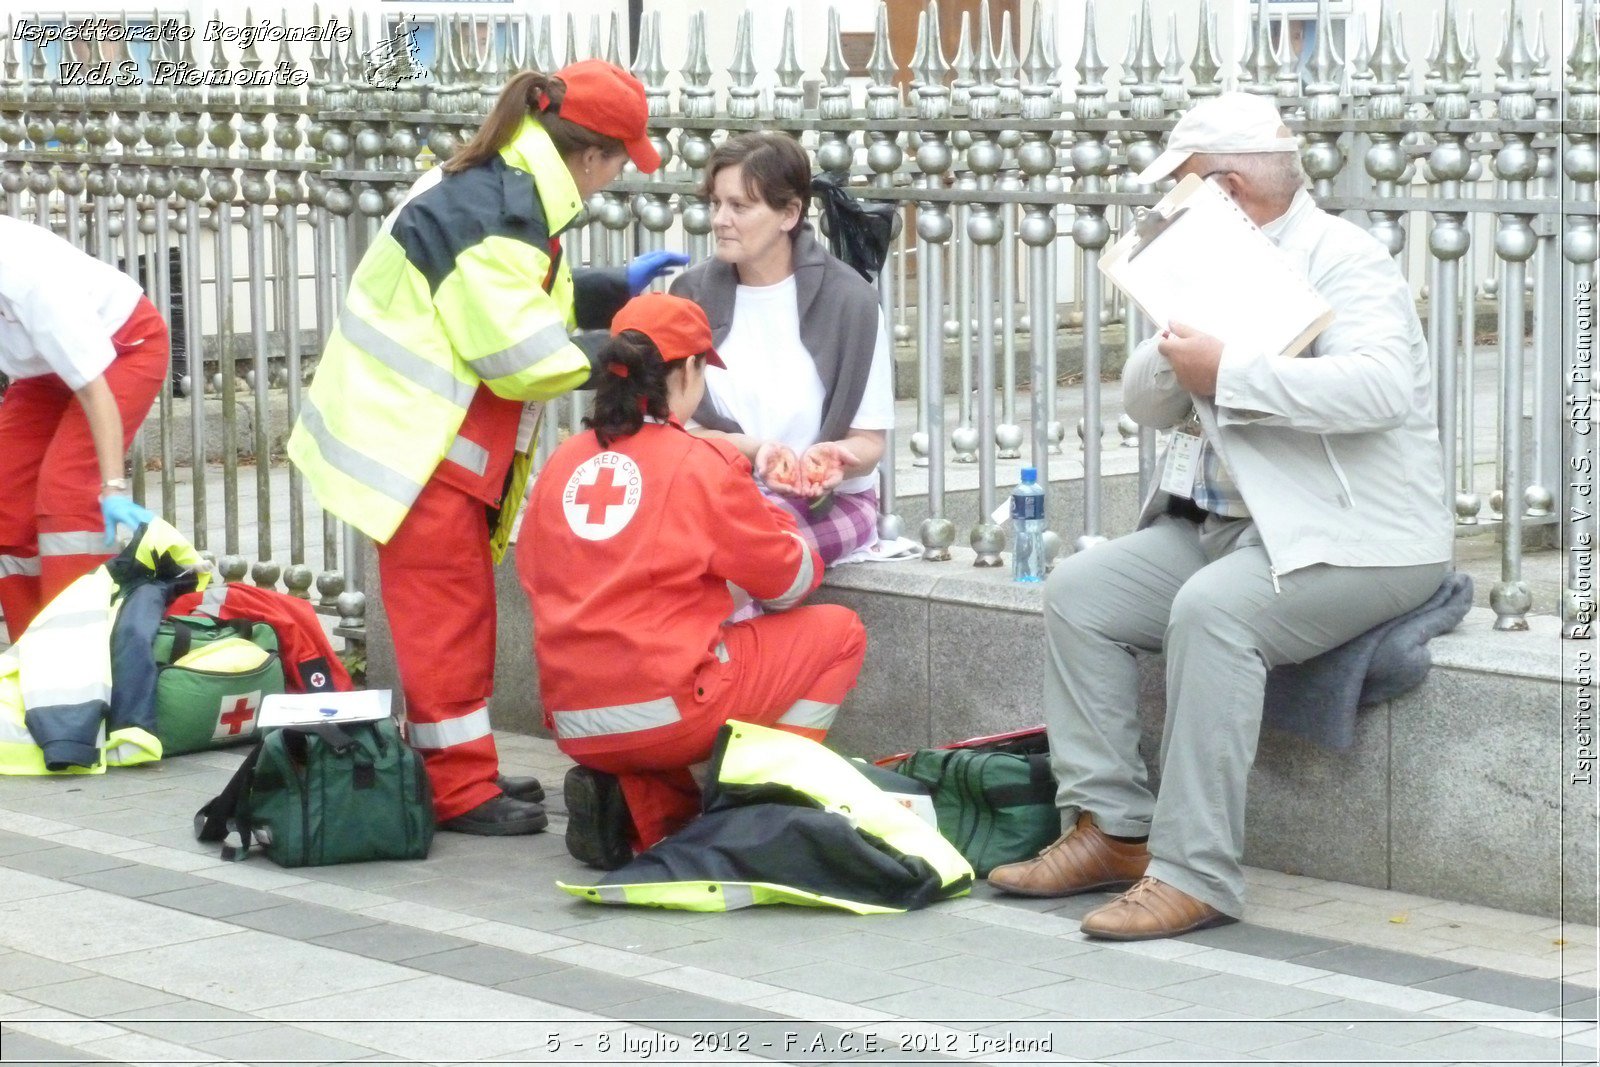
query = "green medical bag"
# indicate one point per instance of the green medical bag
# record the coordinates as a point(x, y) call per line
point(211, 676)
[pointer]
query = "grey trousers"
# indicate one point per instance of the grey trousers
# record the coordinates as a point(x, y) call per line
point(1204, 594)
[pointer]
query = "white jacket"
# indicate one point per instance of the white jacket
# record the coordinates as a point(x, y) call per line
point(1336, 452)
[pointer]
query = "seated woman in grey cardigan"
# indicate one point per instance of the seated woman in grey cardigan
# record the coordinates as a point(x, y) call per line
point(807, 394)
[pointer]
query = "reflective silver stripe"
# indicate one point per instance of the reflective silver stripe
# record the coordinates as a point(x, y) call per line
point(66, 696)
point(15, 733)
point(811, 714)
point(611, 894)
point(67, 620)
point(802, 580)
point(357, 465)
point(10, 566)
point(74, 543)
point(617, 719)
point(211, 600)
point(404, 362)
point(469, 454)
point(538, 346)
point(457, 731)
point(735, 897)
point(721, 652)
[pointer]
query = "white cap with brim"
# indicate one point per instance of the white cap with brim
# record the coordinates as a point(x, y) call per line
point(1229, 123)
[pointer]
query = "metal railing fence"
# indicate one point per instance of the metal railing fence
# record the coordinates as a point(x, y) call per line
point(246, 197)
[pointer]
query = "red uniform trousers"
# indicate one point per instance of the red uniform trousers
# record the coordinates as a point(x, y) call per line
point(790, 670)
point(437, 578)
point(51, 529)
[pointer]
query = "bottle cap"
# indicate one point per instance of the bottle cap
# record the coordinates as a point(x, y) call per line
point(1030, 475)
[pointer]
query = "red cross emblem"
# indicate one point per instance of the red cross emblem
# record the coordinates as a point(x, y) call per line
point(236, 714)
point(601, 495)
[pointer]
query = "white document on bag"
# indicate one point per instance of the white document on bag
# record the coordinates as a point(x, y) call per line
point(302, 709)
point(1197, 259)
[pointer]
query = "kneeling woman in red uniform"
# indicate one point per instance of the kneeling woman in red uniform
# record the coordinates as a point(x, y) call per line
point(87, 354)
point(635, 531)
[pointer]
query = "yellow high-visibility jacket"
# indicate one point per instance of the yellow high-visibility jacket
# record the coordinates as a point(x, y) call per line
point(58, 711)
point(464, 285)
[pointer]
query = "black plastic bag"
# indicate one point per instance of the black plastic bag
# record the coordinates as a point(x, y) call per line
point(858, 231)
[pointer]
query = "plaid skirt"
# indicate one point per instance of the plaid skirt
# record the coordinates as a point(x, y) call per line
point(851, 522)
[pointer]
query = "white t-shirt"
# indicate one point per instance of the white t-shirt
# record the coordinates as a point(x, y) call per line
point(771, 387)
point(59, 307)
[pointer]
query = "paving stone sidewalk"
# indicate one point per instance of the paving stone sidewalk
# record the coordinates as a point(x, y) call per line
point(123, 940)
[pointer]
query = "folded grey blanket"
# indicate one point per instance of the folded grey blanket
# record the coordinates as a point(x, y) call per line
point(1317, 699)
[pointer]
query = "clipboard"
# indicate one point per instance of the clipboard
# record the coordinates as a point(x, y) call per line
point(1196, 258)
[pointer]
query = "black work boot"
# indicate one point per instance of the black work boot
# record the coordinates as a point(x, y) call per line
point(500, 816)
point(598, 824)
point(520, 788)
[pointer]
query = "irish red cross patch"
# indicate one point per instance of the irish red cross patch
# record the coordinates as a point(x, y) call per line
point(602, 496)
point(236, 715)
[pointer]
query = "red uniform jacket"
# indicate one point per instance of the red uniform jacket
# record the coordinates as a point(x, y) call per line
point(632, 551)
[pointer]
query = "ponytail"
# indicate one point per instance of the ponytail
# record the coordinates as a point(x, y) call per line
point(632, 383)
point(528, 93)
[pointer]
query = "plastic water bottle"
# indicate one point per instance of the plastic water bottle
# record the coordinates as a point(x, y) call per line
point(1027, 524)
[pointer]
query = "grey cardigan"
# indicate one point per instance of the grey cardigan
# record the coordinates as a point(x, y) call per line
point(838, 327)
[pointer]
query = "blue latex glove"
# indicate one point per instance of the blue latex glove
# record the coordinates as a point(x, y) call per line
point(651, 265)
point(118, 509)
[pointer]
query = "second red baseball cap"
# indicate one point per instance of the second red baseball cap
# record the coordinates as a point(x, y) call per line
point(608, 100)
point(678, 327)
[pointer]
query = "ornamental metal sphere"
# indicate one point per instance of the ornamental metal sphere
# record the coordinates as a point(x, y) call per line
point(1510, 598)
point(97, 182)
point(252, 134)
point(179, 223)
point(694, 151)
point(1515, 161)
point(370, 202)
point(403, 143)
point(985, 156)
point(128, 133)
point(188, 134)
point(114, 226)
point(890, 527)
point(1008, 437)
point(1408, 175)
point(147, 223)
point(884, 157)
point(1389, 233)
point(1128, 430)
point(256, 188)
point(1581, 162)
point(265, 574)
point(339, 200)
point(938, 535)
point(933, 157)
point(952, 329)
point(1090, 229)
point(1578, 242)
point(934, 225)
point(983, 225)
point(919, 444)
point(1322, 160)
point(834, 155)
point(95, 133)
point(1051, 543)
point(1024, 324)
point(220, 189)
point(393, 197)
point(1449, 239)
point(218, 133)
point(614, 214)
point(1090, 157)
point(1514, 240)
point(1539, 501)
point(233, 568)
point(285, 190)
point(352, 608)
point(902, 332)
point(214, 385)
point(286, 136)
point(159, 183)
point(964, 442)
point(1084, 542)
point(697, 218)
point(297, 579)
point(1384, 161)
point(369, 142)
point(12, 181)
point(1036, 157)
point(1544, 164)
point(656, 216)
point(129, 183)
point(337, 143)
point(330, 584)
point(39, 130)
point(70, 181)
point(988, 541)
point(1496, 499)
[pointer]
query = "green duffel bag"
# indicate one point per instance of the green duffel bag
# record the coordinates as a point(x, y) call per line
point(326, 793)
point(994, 796)
point(211, 676)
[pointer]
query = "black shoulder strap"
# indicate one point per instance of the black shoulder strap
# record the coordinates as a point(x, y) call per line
point(182, 639)
point(221, 814)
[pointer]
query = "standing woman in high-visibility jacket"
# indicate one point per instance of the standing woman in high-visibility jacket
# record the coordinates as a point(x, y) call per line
point(418, 425)
point(87, 353)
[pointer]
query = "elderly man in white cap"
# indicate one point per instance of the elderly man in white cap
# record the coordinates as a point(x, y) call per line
point(1316, 512)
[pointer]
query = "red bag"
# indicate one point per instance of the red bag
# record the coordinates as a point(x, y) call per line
point(309, 662)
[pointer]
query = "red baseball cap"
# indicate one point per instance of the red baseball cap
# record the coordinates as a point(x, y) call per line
point(610, 101)
point(678, 327)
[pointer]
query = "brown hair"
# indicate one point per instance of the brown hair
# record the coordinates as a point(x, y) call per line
point(529, 93)
point(775, 169)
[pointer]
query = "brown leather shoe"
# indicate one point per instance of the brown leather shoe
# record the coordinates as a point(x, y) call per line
point(1149, 910)
point(1080, 860)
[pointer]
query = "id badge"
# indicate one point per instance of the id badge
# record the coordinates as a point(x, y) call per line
point(1177, 474)
point(528, 424)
